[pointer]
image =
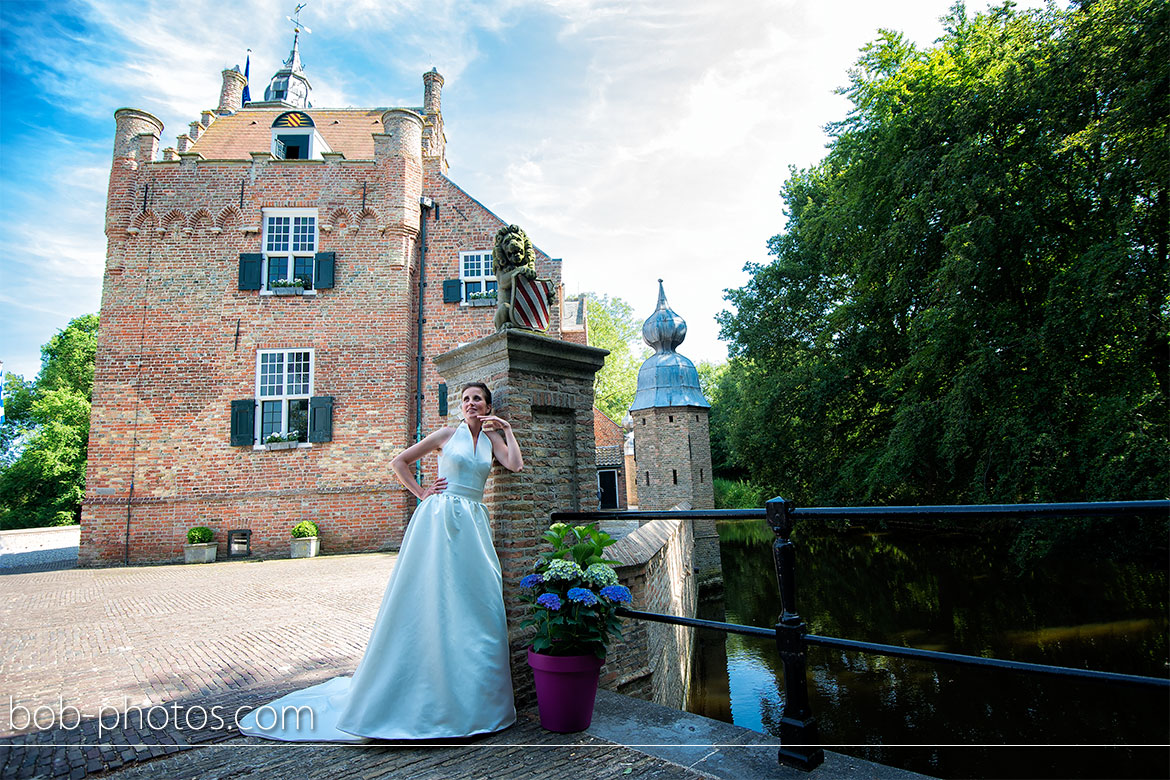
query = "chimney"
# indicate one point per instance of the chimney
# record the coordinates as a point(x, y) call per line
point(231, 96)
point(432, 91)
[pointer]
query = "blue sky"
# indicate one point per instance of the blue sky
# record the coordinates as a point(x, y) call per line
point(635, 140)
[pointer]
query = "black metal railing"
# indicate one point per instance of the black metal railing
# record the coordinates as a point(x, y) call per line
point(800, 742)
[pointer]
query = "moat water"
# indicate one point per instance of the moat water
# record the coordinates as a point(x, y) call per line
point(957, 594)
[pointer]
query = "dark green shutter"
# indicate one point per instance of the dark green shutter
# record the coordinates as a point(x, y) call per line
point(442, 400)
point(452, 291)
point(250, 265)
point(243, 422)
point(323, 270)
point(321, 418)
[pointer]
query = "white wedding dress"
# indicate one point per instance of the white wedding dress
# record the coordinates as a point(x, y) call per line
point(437, 662)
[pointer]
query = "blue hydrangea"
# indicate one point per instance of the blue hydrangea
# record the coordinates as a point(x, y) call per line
point(562, 569)
point(582, 596)
point(531, 581)
point(600, 575)
point(618, 593)
point(549, 601)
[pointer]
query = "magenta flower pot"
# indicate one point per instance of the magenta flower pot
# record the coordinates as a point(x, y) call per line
point(566, 688)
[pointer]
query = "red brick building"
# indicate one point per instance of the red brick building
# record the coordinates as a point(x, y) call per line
point(611, 462)
point(283, 271)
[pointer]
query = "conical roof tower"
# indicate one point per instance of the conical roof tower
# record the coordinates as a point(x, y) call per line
point(667, 378)
point(289, 85)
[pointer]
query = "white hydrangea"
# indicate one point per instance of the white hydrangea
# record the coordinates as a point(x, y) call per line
point(562, 569)
point(600, 575)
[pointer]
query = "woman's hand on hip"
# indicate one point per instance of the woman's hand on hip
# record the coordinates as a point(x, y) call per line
point(436, 487)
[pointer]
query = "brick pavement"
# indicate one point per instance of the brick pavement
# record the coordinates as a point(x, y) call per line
point(134, 651)
point(127, 668)
point(94, 642)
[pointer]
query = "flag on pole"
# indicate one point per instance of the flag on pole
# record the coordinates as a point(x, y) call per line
point(530, 302)
point(247, 65)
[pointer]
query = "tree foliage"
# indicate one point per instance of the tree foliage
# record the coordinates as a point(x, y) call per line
point(612, 326)
point(46, 432)
point(969, 302)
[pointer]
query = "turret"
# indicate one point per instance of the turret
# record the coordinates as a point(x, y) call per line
point(136, 137)
point(129, 124)
point(672, 438)
point(289, 85)
point(398, 152)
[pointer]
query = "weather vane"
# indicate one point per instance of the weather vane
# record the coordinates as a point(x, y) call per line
point(297, 26)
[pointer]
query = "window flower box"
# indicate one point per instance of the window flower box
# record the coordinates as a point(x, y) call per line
point(482, 301)
point(297, 290)
point(287, 441)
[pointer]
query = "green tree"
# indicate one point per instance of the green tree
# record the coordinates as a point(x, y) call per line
point(612, 326)
point(18, 401)
point(46, 432)
point(969, 301)
point(67, 361)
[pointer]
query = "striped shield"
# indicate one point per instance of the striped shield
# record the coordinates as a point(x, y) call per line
point(530, 302)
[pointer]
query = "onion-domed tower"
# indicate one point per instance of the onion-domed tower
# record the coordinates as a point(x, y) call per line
point(672, 440)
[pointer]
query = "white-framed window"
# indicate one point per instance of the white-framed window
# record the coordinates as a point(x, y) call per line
point(475, 273)
point(292, 146)
point(284, 385)
point(290, 243)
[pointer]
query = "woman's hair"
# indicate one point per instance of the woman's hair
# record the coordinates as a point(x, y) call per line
point(487, 394)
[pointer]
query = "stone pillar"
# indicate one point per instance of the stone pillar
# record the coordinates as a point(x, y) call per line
point(544, 388)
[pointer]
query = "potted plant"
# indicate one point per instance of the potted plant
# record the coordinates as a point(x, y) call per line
point(288, 441)
point(287, 286)
point(304, 540)
point(575, 595)
point(482, 298)
point(200, 547)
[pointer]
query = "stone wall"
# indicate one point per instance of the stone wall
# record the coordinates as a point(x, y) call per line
point(654, 660)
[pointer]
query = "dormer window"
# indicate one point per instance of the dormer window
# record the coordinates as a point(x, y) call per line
point(294, 137)
point(279, 89)
point(291, 146)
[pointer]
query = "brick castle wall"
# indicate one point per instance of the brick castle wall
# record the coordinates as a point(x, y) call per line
point(673, 457)
point(178, 342)
point(672, 467)
point(654, 660)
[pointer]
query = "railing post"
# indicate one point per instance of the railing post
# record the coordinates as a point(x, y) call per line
point(798, 727)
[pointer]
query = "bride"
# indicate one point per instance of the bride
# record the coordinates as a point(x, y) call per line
point(437, 661)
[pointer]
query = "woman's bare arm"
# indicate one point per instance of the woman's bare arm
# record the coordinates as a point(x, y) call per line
point(405, 459)
point(504, 444)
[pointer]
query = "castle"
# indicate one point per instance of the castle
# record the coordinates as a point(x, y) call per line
point(275, 287)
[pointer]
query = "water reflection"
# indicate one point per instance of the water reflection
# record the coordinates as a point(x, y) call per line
point(956, 594)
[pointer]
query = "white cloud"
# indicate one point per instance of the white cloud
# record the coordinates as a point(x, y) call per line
point(659, 153)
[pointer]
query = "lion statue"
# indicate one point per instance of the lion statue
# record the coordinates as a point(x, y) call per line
point(512, 256)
